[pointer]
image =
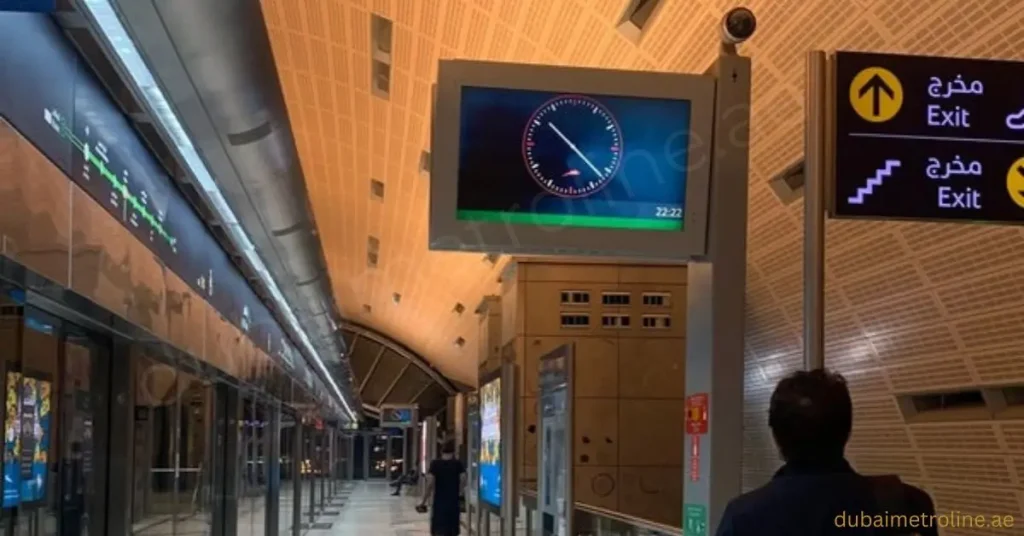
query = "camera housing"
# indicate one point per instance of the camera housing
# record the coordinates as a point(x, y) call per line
point(738, 25)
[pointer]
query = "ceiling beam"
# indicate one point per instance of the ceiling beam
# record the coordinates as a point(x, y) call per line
point(423, 365)
point(355, 340)
point(422, 390)
point(373, 368)
point(394, 382)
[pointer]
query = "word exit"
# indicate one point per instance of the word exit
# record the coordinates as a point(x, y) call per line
point(961, 198)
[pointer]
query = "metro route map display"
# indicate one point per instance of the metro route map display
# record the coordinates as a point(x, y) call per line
point(596, 161)
point(55, 101)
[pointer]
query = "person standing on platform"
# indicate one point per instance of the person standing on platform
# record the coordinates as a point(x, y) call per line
point(817, 492)
point(446, 479)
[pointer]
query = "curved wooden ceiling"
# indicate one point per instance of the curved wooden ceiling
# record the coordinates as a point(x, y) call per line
point(911, 307)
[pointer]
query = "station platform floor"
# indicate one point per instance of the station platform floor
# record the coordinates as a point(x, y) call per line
point(370, 509)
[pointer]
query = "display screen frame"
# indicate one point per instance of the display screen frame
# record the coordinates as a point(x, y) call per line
point(556, 392)
point(448, 233)
point(486, 380)
point(408, 419)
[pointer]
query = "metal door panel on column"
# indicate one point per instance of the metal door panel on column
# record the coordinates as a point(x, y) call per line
point(273, 509)
point(225, 510)
point(297, 478)
point(121, 418)
point(84, 388)
point(715, 311)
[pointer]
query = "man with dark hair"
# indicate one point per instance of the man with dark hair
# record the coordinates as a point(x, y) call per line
point(817, 492)
point(445, 481)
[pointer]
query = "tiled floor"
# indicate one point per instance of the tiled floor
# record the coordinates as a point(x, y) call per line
point(370, 509)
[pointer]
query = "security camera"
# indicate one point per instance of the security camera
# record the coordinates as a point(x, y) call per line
point(738, 25)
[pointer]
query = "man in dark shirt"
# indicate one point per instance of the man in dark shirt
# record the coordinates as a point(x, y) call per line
point(816, 492)
point(445, 481)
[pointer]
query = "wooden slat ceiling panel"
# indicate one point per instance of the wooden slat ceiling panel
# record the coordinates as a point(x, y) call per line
point(901, 296)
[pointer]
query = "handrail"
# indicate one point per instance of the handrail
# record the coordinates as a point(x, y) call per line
point(611, 515)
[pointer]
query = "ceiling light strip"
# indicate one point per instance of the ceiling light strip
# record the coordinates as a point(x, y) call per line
point(106, 18)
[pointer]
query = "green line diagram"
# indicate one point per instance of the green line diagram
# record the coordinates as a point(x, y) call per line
point(119, 185)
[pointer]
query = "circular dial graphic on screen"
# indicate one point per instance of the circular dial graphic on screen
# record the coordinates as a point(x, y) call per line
point(572, 146)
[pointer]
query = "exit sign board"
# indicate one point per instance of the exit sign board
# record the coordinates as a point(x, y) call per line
point(925, 138)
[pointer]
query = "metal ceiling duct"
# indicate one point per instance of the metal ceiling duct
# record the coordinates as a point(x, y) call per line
point(214, 61)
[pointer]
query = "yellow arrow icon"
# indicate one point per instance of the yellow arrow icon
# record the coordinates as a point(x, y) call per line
point(876, 94)
point(1015, 182)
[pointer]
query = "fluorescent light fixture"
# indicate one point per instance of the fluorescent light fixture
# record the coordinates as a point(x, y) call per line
point(106, 18)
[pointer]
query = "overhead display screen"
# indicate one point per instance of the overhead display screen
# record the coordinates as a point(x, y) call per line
point(490, 443)
point(55, 101)
point(928, 138)
point(41, 6)
point(557, 159)
point(396, 417)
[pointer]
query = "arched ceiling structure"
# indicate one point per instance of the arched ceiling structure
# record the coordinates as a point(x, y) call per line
point(910, 307)
point(386, 372)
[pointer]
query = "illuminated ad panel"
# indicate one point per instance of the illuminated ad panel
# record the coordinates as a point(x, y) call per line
point(490, 443)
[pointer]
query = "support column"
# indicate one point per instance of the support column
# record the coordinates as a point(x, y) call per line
point(122, 440)
point(350, 459)
point(323, 460)
point(232, 453)
point(297, 477)
point(367, 445)
point(272, 512)
point(313, 464)
point(715, 311)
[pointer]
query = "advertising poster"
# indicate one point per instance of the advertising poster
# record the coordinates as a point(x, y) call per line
point(12, 441)
point(40, 458)
point(26, 439)
point(31, 433)
point(490, 443)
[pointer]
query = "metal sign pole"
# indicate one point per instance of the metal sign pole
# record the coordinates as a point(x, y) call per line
point(510, 478)
point(815, 165)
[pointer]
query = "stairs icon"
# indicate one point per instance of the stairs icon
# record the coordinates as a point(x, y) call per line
point(877, 180)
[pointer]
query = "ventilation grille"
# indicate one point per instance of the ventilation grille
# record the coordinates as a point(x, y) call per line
point(657, 299)
point(615, 321)
point(380, 44)
point(948, 401)
point(614, 298)
point(1014, 396)
point(459, 309)
point(963, 404)
point(376, 190)
point(656, 321)
point(575, 297)
point(572, 320)
point(372, 251)
point(637, 17)
point(789, 185)
point(425, 161)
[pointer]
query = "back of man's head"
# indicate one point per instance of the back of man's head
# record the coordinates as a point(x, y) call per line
point(448, 449)
point(811, 415)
